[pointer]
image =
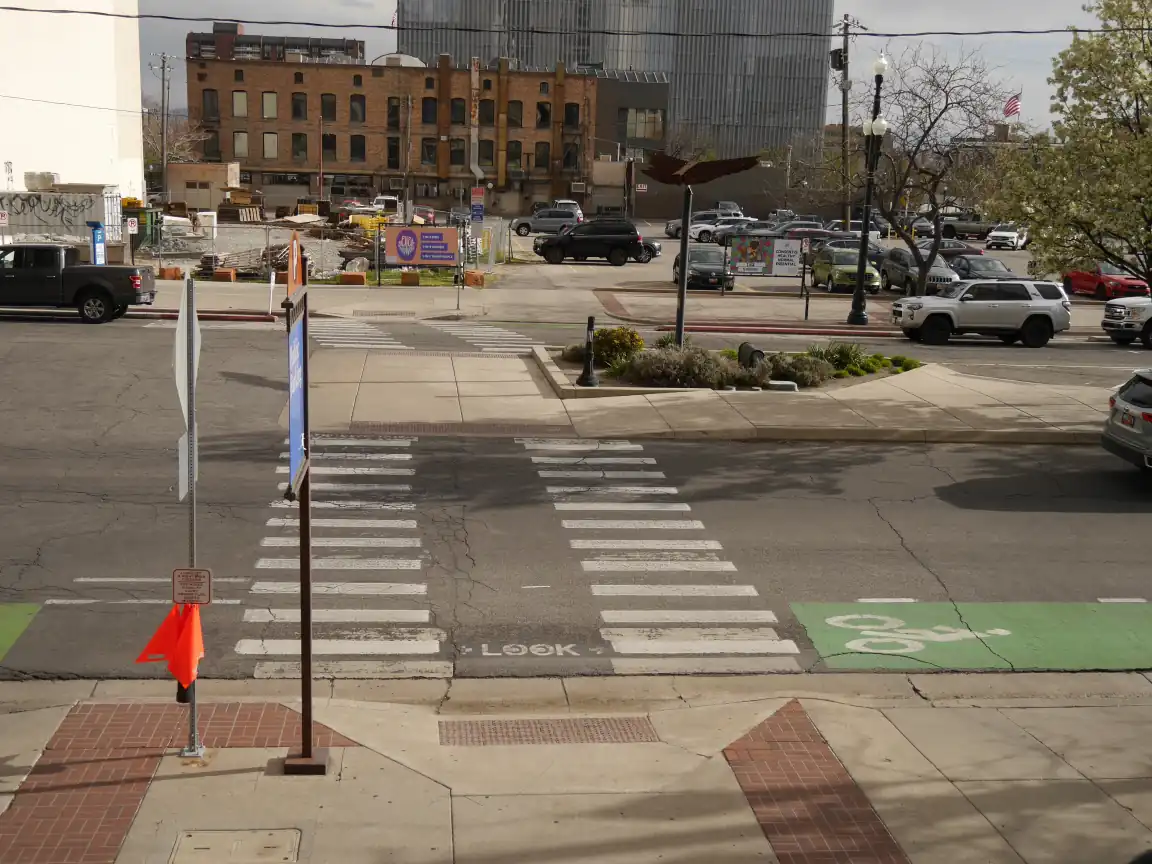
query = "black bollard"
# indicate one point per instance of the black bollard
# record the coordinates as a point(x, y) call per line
point(184, 694)
point(588, 376)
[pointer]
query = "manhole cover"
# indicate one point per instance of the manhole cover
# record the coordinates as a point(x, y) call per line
point(237, 847)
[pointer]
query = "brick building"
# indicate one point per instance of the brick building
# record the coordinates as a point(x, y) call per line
point(293, 110)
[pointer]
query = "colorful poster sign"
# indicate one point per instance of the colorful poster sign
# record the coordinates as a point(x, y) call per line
point(763, 256)
point(422, 247)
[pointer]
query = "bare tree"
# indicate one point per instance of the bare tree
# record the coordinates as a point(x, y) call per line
point(184, 136)
point(936, 107)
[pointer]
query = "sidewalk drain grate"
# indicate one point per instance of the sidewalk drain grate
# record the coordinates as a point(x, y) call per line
point(583, 730)
point(241, 847)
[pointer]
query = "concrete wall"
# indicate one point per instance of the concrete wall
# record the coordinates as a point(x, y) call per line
point(80, 60)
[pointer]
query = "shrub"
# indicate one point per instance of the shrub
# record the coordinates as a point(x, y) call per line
point(898, 360)
point(896, 370)
point(618, 368)
point(840, 354)
point(910, 363)
point(668, 340)
point(804, 370)
point(885, 363)
point(855, 371)
point(573, 354)
point(730, 353)
point(692, 367)
point(840, 373)
point(615, 343)
point(870, 366)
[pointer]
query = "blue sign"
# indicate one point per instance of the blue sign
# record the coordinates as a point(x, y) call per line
point(296, 385)
point(477, 212)
point(406, 245)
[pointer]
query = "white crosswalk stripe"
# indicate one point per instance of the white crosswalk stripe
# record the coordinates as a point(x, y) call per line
point(709, 627)
point(350, 333)
point(487, 337)
point(369, 628)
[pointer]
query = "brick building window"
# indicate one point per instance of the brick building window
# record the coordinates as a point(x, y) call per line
point(328, 144)
point(543, 88)
point(543, 157)
point(429, 83)
point(299, 78)
point(427, 151)
point(212, 144)
point(543, 115)
point(516, 113)
point(394, 153)
point(487, 112)
point(393, 112)
point(487, 83)
point(641, 123)
point(299, 147)
point(357, 80)
point(428, 110)
point(515, 154)
point(239, 103)
point(299, 106)
point(571, 115)
point(268, 106)
point(240, 145)
point(358, 149)
point(328, 107)
point(271, 145)
point(457, 152)
point(487, 153)
point(357, 108)
point(571, 155)
point(238, 75)
point(459, 112)
point(210, 105)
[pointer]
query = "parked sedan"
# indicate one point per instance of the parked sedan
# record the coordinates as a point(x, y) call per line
point(949, 249)
point(982, 267)
point(705, 268)
point(1105, 282)
point(705, 232)
point(723, 230)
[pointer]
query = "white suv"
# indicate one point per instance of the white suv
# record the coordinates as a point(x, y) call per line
point(1008, 235)
point(1027, 311)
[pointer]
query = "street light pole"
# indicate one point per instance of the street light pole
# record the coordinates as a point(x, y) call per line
point(874, 132)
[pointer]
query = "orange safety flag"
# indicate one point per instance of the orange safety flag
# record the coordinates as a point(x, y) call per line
point(185, 659)
point(163, 641)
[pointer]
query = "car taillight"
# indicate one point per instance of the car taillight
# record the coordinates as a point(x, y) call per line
point(1111, 401)
point(579, 218)
point(136, 282)
point(1146, 417)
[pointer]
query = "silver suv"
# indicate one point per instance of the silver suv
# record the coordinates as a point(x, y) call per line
point(1128, 429)
point(1026, 311)
point(551, 221)
point(672, 227)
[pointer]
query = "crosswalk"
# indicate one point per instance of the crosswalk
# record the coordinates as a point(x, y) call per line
point(669, 603)
point(487, 337)
point(350, 333)
point(376, 625)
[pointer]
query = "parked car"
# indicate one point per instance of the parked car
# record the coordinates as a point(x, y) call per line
point(1128, 427)
point(949, 249)
point(705, 232)
point(965, 224)
point(51, 275)
point(876, 252)
point(546, 222)
point(784, 227)
point(428, 214)
point(613, 239)
point(705, 268)
point(568, 204)
point(1128, 319)
point(1030, 312)
point(1007, 235)
point(672, 228)
point(723, 230)
point(836, 270)
point(854, 227)
point(982, 267)
point(649, 249)
point(537, 206)
point(898, 272)
point(1105, 282)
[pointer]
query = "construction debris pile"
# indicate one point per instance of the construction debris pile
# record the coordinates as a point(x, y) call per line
point(249, 264)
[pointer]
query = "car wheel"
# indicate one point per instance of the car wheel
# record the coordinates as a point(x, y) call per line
point(120, 312)
point(1121, 340)
point(914, 335)
point(1146, 336)
point(643, 256)
point(553, 255)
point(935, 330)
point(95, 307)
point(829, 285)
point(675, 274)
point(523, 230)
point(1036, 332)
point(1101, 293)
point(885, 282)
point(617, 257)
point(705, 237)
point(1009, 338)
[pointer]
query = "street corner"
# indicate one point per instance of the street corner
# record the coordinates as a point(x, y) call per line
point(911, 636)
point(14, 620)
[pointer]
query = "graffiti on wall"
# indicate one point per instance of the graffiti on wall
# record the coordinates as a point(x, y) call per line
point(49, 210)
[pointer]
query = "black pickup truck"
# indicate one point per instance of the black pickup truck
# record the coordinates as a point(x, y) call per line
point(46, 274)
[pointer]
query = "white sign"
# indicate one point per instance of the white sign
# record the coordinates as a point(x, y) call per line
point(805, 245)
point(186, 449)
point(192, 586)
point(133, 226)
point(3, 218)
point(641, 187)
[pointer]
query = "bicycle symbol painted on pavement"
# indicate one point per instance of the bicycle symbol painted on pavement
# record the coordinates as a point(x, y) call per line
point(884, 635)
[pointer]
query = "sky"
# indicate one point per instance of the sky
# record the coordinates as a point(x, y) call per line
point(1022, 62)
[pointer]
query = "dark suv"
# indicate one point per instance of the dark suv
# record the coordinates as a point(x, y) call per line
point(617, 240)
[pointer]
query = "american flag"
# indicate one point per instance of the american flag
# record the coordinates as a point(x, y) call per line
point(1012, 106)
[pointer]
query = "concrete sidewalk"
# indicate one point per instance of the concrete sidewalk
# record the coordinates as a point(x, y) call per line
point(820, 769)
point(365, 391)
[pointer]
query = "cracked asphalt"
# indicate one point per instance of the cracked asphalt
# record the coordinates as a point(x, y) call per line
point(88, 431)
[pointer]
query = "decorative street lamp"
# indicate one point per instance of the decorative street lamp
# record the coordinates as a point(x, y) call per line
point(874, 131)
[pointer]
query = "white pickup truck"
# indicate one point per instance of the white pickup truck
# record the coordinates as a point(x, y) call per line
point(1128, 319)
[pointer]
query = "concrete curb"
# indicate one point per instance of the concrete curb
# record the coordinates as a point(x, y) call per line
point(565, 389)
point(208, 316)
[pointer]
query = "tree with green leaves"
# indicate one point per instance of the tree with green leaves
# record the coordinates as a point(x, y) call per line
point(1085, 191)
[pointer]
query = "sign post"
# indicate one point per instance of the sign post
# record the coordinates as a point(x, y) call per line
point(186, 362)
point(132, 224)
point(309, 761)
point(805, 292)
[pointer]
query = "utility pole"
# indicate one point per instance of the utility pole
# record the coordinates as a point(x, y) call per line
point(845, 86)
point(788, 177)
point(165, 100)
point(408, 162)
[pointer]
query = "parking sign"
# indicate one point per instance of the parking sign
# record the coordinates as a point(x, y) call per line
point(133, 226)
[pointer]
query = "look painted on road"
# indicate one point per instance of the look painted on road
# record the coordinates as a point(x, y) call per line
point(1017, 636)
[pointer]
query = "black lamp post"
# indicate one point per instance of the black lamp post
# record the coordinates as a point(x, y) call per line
point(874, 131)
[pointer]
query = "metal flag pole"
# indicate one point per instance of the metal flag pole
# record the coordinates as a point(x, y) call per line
point(194, 748)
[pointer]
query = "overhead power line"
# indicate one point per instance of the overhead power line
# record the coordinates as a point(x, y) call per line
point(546, 31)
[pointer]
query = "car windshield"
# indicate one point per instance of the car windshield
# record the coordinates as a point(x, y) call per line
point(988, 265)
point(706, 255)
point(1009, 227)
point(845, 258)
point(952, 291)
point(1111, 269)
point(939, 265)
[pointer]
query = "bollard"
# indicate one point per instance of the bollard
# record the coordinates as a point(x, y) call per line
point(749, 355)
point(588, 375)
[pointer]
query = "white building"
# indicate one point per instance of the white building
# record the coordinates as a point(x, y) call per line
point(51, 65)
